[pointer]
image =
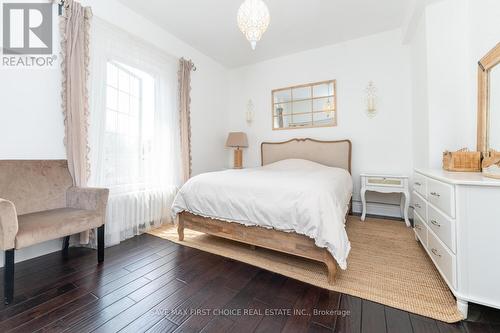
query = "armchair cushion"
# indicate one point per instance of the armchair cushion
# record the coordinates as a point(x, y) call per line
point(8, 225)
point(39, 227)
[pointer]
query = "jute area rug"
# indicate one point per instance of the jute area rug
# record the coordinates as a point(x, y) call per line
point(386, 265)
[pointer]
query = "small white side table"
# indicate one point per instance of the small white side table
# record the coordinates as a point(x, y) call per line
point(386, 184)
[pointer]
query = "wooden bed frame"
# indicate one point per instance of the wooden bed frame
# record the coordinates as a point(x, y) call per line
point(331, 153)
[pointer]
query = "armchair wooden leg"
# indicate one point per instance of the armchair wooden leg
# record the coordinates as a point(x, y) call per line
point(8, 284)
point(100, 243)
point(65, 247)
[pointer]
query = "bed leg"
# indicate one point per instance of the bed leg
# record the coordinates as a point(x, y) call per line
point(331, 265)
point(180, 229)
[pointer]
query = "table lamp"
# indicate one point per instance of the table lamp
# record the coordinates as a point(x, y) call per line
point(237, 140)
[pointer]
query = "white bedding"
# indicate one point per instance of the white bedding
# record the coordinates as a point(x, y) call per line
point(290, 195)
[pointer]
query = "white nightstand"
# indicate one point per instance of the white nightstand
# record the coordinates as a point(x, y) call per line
point(386, 184)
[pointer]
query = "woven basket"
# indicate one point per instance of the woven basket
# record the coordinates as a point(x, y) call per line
point(462, 160)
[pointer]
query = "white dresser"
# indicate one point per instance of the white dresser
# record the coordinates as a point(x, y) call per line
point(457, 221)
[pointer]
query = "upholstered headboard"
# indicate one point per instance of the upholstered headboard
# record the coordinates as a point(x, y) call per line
point(331, 153)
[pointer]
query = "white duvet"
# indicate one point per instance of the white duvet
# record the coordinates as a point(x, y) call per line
point(290, 195)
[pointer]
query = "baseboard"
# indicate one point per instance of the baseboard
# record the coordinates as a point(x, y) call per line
point(379, 209)
point(34, 251)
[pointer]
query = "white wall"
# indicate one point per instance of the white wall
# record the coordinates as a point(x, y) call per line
point(441, 109)
point(31, 122)
point(448, 93)
point(451, 37)
point(420, 98)
point(484, 35)
point(380, 144)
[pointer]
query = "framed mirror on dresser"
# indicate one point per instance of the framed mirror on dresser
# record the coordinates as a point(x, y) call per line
point(488, 119)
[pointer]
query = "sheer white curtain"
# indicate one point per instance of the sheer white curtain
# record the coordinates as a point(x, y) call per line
point(134, 130)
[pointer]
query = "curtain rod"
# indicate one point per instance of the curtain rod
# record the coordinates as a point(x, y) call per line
point(60, 4)
point(193, 66)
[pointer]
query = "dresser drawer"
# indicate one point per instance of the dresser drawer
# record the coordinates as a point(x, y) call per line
point(442, 196)
point(443, 227)
point(444, 260)
point(420, 184)
point(421, 229)
point(419, 205)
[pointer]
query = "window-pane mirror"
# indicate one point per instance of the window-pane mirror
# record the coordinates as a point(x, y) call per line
point(305, 106)
point(282, 96)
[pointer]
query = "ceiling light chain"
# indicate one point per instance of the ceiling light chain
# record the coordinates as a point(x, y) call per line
point(253, 20)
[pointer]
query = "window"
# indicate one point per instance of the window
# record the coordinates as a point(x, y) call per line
point(134, 134)
point(129, 106)
point(309, 105)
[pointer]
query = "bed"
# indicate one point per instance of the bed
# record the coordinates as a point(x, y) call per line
point(296, 202)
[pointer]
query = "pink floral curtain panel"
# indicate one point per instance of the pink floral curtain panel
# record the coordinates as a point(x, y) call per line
point(185, 68)
point(75, 35)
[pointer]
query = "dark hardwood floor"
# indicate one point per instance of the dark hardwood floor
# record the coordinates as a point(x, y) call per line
point(148, 284)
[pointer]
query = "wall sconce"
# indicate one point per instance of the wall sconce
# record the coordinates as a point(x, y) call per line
point(371, 100)
point(249, 112)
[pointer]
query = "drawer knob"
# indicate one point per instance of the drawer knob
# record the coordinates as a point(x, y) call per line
point(435, 252)
point(418, 205)
point(435, 223)
point(418, 184)
point(435, 194)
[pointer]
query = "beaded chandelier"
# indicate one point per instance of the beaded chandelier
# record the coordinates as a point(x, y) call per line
point(253, 20)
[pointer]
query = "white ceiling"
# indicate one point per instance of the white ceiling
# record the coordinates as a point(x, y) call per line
point(296, 25)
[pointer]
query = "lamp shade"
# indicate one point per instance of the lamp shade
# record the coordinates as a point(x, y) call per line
point(237, 139)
